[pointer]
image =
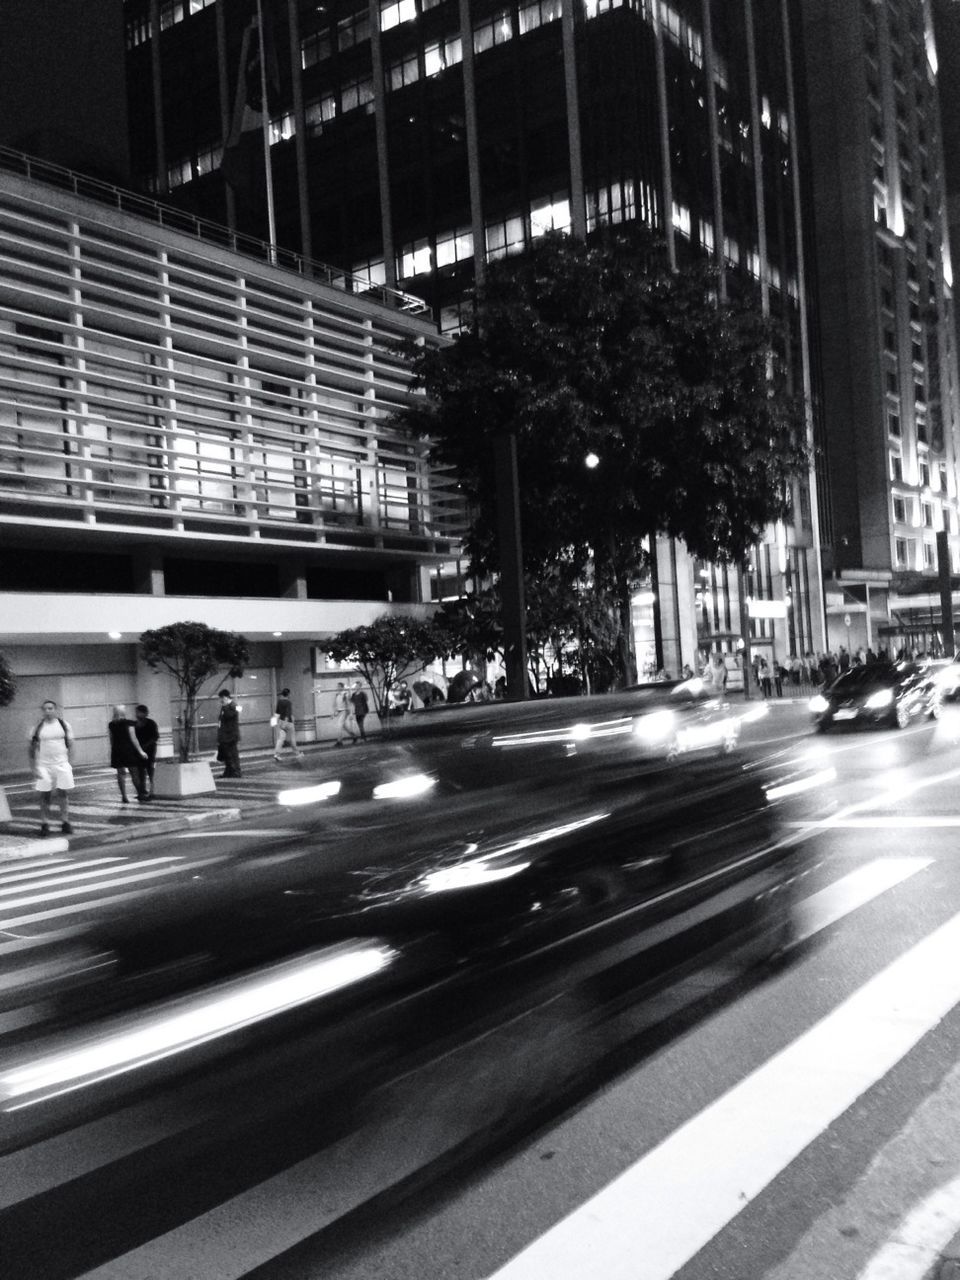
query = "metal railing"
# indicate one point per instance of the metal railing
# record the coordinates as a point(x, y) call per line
point(173, 219)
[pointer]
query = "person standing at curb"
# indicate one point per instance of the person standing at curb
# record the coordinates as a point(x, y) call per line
point(50, 745)
point(148, 735)
point(285, 730)
point(126, 753)
point(361, 708)
point(228, 735)
point(343, 710)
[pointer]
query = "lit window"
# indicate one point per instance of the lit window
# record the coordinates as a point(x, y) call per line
point(681, 219)
point(707, 240)
point(392, 15)
point(504, 237)
point(498, 30)
point(538, 14)
point(319, 112)
point(415, 259)
point(372, 272)
point(445, 53)
point(455, 246)
point(179, 173)
point(282, 128)
point(209, 159)
point(614, 204)
point(552, 213)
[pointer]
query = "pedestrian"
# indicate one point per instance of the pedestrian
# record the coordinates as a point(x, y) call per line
point(777, 676)
point(844, 661)
point(285, 730)
point(148, 735)
point(126, 753)
point(763, 676)
point(361, 708)
point(228, 735)
point(50, 746)
point(343, 711)
point(400, 700)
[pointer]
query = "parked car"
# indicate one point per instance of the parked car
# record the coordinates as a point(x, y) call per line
point(878, 694)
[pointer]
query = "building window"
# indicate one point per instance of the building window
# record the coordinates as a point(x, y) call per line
point(315, 48)
point(504, 237)
point(392, 15)
point(893, 422)
point(896, 467)
point(320, 112)
point(454, 246)
point(415, 259)
point(498, 30)
point(444, 53)
point(372, 272)
point(889, 340)
point(901, 552)
point(356, 94)
point(929, 555)
point(923, 469)
point(538, 14)
point(681, 219)
point(926, 515)
point(403, 72)
point(282, 128)
point(551, 213)
point(899, 510)
point(617, 203)
point(892, 382)
point(354, 29)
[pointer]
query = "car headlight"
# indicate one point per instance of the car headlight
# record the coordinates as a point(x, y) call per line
point(819, 704)
point(882, 698)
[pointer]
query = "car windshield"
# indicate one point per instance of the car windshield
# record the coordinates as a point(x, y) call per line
point(876, 673)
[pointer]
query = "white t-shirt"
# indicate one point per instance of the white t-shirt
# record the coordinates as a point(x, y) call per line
point(52, 743)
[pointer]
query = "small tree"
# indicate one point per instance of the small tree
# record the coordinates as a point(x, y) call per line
point(193, 652)
point(387, 651)
point(8, 686)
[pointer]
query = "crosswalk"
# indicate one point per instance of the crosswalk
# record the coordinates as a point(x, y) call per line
point(677, 1192)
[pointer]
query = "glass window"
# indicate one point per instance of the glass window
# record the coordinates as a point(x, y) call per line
point(356, 94)
point(403, 72)
point(444, 53)
point(393, 14)
point(901, 552)
point(454, 246)
point(415, 259)
point(896, 467)
point(497, 30)
point(315, 48)
point(317, 113)
point(504, 237)
point(899, 510)
point(551, 213)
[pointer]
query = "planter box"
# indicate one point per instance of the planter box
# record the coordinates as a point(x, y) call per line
point(172, 780)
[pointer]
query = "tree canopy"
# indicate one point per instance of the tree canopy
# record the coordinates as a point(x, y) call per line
point(387, 651)
point(192, 653)
point(601, 349)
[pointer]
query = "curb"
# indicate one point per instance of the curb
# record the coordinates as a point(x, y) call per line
point(165, 826)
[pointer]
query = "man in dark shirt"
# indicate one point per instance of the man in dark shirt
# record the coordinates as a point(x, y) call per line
point(228, 735)
point(148, 735)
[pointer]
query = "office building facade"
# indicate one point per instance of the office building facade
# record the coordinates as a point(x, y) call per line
point(412, 141)
point(887, 335)
point(189, 434)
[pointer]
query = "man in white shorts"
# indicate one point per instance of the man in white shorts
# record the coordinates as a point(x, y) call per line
point(50, 745)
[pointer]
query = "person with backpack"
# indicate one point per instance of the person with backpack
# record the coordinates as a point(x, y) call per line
point(50, 745)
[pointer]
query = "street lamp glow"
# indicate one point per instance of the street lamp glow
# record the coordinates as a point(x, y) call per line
point(591, 461)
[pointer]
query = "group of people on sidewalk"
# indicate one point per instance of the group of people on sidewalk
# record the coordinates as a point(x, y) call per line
point(133, 750)
point(350, 709)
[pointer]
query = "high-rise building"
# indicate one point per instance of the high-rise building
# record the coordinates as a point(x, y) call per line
point(412, 141)
point(191, 434)
point(886, 316)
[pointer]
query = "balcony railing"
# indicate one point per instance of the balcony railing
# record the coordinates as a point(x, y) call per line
point(206, 232)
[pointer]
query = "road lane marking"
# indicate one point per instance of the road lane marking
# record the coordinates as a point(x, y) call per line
point(653, 1218)
point(60, 875)
point(844, 896)
point(920, 1238)
point(92, 902)
point(897, 821)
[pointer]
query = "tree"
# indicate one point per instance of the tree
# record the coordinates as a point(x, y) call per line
point(387, 651)
point(193, 652)
point(8, 686)
point(579, 349)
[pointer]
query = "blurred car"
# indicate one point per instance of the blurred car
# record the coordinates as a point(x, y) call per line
point(878, 694)
point(468, 862)
point(946, 672)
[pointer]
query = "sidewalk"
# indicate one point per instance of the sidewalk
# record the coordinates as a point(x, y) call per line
point(98, 817)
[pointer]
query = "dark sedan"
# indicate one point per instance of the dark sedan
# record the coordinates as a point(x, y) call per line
point(878, 694)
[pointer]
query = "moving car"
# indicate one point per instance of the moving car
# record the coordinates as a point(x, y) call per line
point(878, 694)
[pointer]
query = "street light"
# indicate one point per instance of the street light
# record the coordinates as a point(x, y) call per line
point(591, 461)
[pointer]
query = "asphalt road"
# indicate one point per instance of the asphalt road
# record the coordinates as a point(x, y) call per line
point(795, 1125)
